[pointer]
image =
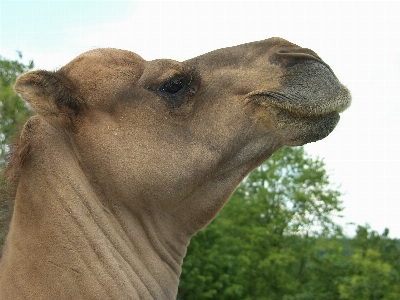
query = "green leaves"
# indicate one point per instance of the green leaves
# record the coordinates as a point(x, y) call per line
point(13, 110)
point(372, 278)
point(13, 114)
point(276, 239)
point(374, 267)
point(257, 246)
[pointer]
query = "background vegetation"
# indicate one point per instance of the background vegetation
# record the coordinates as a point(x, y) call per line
point(13, 114)
point(275, 239)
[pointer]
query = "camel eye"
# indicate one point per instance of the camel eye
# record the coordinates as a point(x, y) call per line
point(176, 92)
point(173, 86)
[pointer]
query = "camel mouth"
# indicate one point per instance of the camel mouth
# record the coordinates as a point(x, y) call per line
point(309, 89)
point(307, 105)
point(304, 107)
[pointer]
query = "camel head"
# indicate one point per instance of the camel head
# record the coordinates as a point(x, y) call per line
point(164, 142)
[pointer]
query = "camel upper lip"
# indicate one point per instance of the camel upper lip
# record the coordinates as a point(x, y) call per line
point(309, 89)
point(301, 106)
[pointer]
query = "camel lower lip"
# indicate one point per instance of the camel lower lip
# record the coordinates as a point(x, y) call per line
point(297, 129)
point(300, 130)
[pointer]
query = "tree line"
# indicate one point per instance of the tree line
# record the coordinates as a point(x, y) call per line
point(13, 114)
point(276, 238)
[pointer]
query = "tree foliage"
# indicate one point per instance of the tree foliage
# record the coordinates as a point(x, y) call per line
point(13, 110)
point(13, 113)
point(276, 239)
point(374, 271)
point(261, 241)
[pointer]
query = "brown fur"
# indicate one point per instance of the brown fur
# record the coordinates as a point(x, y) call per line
point(20, 151)
point(127, 159)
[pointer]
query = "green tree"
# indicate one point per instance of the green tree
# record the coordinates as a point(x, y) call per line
point(13, 113)
point(389, 249)
point(13, 110)
point(328, 261)
point(363, 267)
point(372, 278)
point(374, 271)
point(260, 245)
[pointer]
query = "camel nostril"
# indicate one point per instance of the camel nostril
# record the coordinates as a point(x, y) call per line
point(289, 56)
point(298, 52)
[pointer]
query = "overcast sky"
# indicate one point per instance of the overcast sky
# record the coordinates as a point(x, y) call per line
point(359, 40)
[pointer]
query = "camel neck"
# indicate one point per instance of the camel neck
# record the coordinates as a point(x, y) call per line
point(67, 233)
point(67, 242)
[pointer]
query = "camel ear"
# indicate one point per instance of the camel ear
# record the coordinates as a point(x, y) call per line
point(48, 94)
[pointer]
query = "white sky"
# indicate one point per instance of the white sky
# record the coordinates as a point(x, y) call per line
point(359, 40)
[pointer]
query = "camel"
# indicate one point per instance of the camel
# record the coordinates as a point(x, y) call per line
point(126, 159)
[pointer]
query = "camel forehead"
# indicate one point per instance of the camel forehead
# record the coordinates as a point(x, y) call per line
point(104, 62)
point(99, 72)
point(106, 56)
